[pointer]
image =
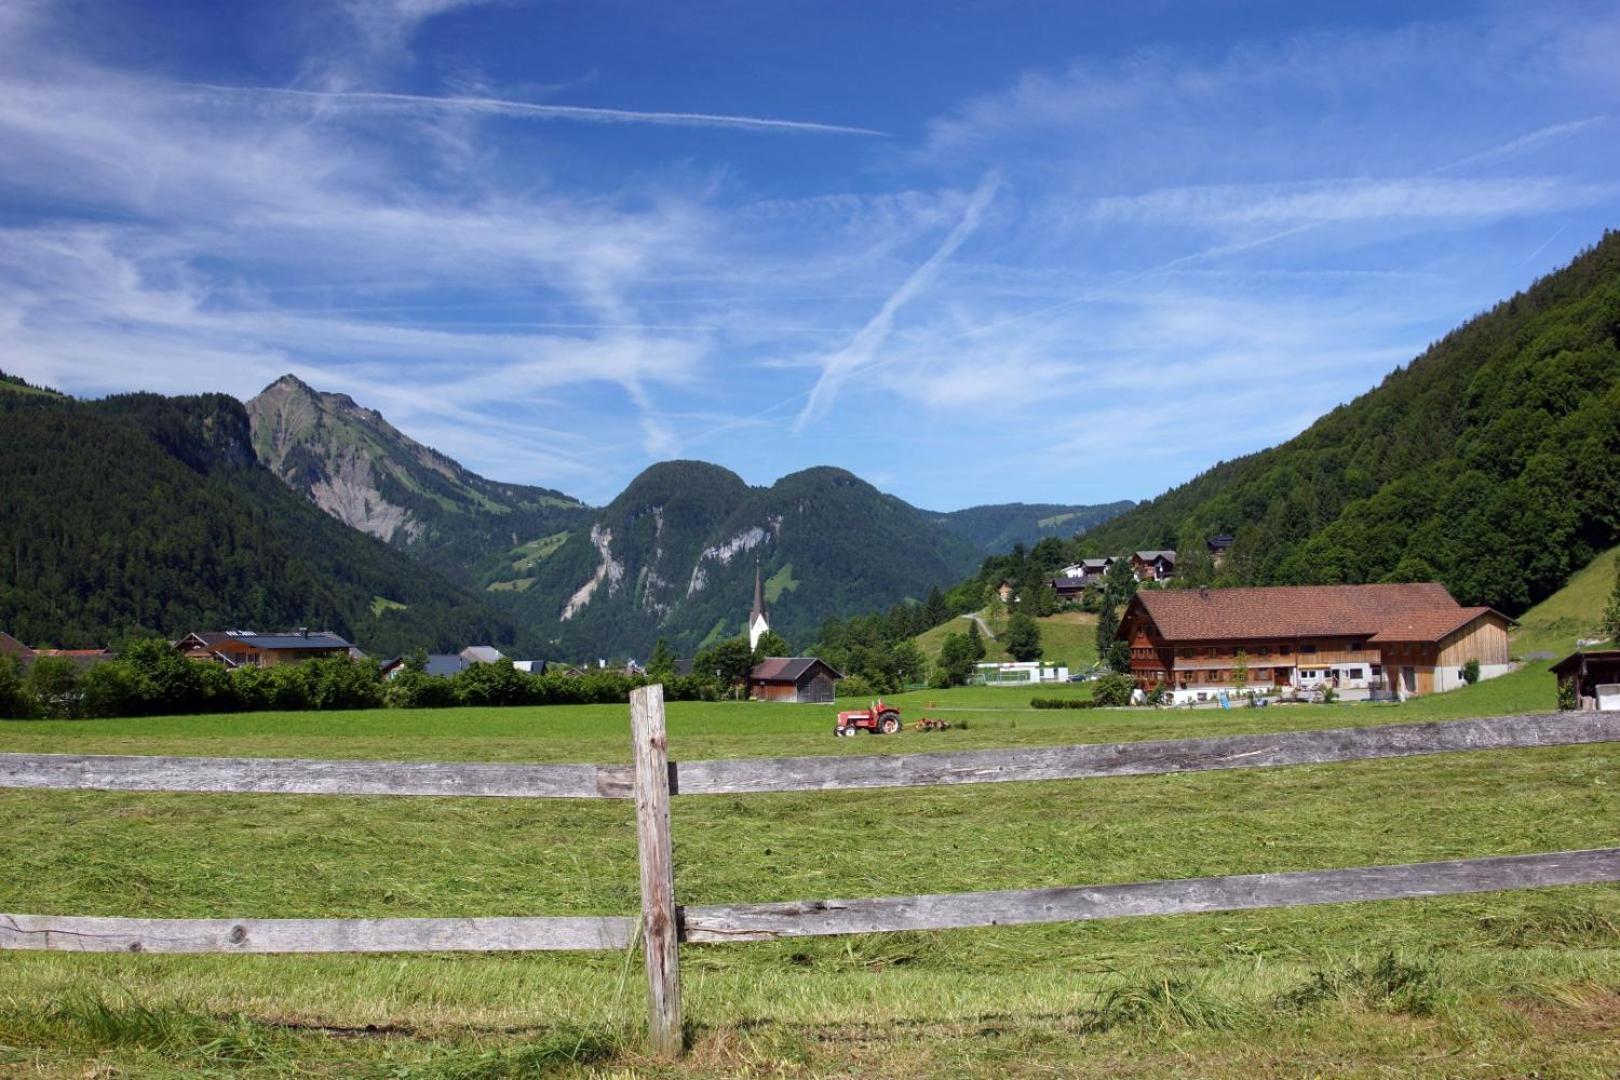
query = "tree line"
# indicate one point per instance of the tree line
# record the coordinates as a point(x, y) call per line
point(148, 678)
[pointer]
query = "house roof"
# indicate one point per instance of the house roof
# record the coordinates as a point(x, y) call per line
point(1570, 664)
point(1430, 625)
point(1289, 611)
point(482, 654)
point(788, 668)
point(12, 646)
point(315, 639)
point(1150, 556)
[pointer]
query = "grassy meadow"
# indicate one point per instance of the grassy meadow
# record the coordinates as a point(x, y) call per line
point(1573, 612)
point(1510, 983)
point(1069, 637)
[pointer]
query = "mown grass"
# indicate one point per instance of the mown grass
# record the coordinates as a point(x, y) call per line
point(1515, 983)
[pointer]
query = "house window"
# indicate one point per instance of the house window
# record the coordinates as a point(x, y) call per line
point(1307, 649)
point(1377, 669)
point(1355, 673)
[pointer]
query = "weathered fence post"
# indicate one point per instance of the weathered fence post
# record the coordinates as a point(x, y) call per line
point(660, 932)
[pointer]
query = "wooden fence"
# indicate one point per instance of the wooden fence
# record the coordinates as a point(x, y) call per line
point(652, 779)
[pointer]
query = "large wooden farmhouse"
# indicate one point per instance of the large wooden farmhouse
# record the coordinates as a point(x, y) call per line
point(1408, 639)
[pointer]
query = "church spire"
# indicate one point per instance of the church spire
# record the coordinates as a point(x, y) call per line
point(759, 619)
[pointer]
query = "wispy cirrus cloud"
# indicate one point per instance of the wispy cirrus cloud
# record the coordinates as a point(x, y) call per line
point(523, 110)
point(1359, 199)
point(838, 367)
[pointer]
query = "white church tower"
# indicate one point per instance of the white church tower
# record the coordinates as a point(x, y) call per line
point(759, 618)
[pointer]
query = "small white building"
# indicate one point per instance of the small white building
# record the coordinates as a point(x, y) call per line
point(1029, 673)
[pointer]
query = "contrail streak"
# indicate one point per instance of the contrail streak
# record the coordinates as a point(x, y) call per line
point(531, 110)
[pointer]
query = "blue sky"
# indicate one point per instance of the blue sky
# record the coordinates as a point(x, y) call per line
point(975, 252)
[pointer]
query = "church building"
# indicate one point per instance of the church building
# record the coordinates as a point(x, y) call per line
point(759, 618)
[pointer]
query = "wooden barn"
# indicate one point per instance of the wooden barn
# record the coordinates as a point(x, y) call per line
point(1593, 679)
point(793, 678)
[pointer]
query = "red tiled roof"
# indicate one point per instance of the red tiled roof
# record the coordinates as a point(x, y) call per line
point(1429, 625)
point(1291, 611)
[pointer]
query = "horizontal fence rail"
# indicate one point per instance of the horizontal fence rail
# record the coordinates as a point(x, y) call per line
point(297, 776)
point(950, 911)
point(1098, 760)
point(769, 922)
point(115, 772)
point(74, 933)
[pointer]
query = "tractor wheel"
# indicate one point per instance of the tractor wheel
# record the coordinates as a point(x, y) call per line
point(889, 723)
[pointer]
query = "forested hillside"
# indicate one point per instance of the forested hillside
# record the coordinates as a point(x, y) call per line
point(1490, 463)
point(145, 514)
point(355, 465)
point(996, 528)
point(674, 556)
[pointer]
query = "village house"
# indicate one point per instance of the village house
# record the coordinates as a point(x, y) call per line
point(1591, 678)
point(247, 648)
point(1153, 565)
point(447, 664)
point(1217, 546)
point(83, 658)
point(1406, 639)
point(793, 678)
point(1076, 578)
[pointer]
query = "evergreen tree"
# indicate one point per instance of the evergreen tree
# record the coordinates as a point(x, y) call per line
point(975, 643)
point(1023, 640)
point(662, 661)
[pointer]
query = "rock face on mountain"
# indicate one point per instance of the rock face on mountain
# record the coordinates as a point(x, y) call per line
point(674, 556)
point(363, 471)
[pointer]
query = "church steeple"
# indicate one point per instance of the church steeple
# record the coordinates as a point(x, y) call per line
point(759, 618)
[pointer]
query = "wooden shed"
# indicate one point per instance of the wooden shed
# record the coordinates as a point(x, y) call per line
point(793, 678)
point(1593, 677)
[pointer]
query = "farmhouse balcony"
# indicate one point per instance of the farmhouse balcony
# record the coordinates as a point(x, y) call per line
point(1276, 660)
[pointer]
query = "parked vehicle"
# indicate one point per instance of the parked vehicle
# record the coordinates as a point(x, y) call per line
point(877, 718)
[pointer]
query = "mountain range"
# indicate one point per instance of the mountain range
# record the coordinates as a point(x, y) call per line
point(303, 507)
point(673, 556)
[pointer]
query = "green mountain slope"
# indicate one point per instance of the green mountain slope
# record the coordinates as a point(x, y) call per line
point(1491, 462)
point(152, 514)
point(674, 556)
point(995, 529)
point(358, 467)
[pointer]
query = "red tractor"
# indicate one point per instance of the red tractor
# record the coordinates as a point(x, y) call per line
point(878, 718)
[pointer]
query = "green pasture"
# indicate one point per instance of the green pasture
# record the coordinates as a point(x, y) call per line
point(1523, 983)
